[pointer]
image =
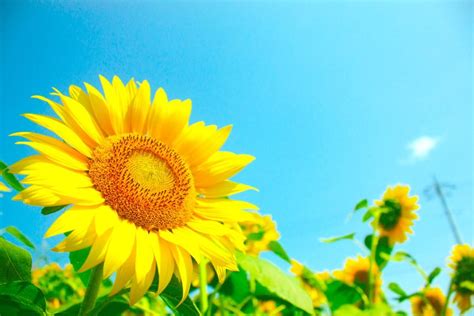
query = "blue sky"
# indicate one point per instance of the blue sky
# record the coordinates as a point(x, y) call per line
point(326, 95)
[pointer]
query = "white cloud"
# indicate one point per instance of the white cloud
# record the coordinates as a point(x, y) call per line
point(420, 148)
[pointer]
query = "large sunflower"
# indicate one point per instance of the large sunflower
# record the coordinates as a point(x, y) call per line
point(430, 304)
point(462, 263)
point(399, 213)
point(148, 192)
point(356, 273)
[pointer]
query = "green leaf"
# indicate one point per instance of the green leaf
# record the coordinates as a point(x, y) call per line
point(362, 204)
point(337, 238)
point(433, 274)
point(21, 298)
point(236, 286)
point(51, 209)
point(376, 310)
point(172, 296)
point(256, 236)
point(395, 288)
point(10, 178)
point(382, 251)
point(339, 293)
point(469, 285)
point(278, 249)
point(15, 262)
point(276, 281)
point(77, 259)
point(15, 232)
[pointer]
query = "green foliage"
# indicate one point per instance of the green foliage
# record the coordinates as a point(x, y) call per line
point(278, 249)
point(395, 288)
point(436, 271)
point(10, 178)
point(362, 204)
point(382, 251)
point(338, 238)
point(52, 209)
point(276, 281)
point(77, 259)
point(15, 263)
point(172, 296)
point(339, 293)
point(376, 310)
point(21, 298)
point(15, 232)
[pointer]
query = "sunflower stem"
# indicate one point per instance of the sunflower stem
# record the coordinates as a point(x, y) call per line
point(373, 248)
point(203, 285)
point(448, 296)
point(92, 291)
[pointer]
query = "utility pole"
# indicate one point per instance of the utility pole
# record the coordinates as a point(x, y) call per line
point(439, 192)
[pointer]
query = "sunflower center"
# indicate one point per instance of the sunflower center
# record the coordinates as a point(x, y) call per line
point(389, 219)
point(464, 275)
point(144, 181)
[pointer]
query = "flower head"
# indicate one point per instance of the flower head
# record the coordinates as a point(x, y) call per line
point(462, 264)
point(313, 283)
point(430, 304)
point(260, 232)
point(399, 213)
point(356, 273)
point(148, 193)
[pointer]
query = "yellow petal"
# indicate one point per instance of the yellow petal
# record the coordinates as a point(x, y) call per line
point(122, 241)
point(185, 269)
point(141, 286)
point(183, 237)
point(145, 258)
point(104, 219)
point(39, 196)
point(219, 167)
point(138, 111)
point(71, 219)
point(97, 252)
point(124, 274)
point(114, 103)
point(3, 187)
point(100, 110)
point(57, 127)
point(225, 188)
point(82, 237)
point(55, 150)
point(164, 260)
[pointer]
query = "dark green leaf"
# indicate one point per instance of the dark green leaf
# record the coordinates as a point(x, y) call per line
point(256, 236)
point(395, 288)
point(15, 262)
point(172, 296)
point(337, 238)
point(77, 259)
point(382, 250)
point(362, 204)
point(278, 249)
point(10, 178)
point(276, 281)
point(236, 286)
point(433, 274)
point(51, 209)
point(23, 297)
point(338, 294)
point(15, 232)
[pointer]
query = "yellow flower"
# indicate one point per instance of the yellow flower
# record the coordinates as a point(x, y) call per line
point(269, 308)
point(431, 304)
point(317, 296)
point(462, 263)
point(400, 208)
point(260, 231)
point(356, 273)
point(148, 192)
point(3, 187)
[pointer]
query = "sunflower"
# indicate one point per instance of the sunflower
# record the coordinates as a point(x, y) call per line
point(462, 263)
point(356, 273)
point(260, 232)
point(311, 282)
point(148, 193)
point(396, 221)
point(430, 304)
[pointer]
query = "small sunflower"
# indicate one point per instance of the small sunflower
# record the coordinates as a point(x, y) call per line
point(396, 221)
point(462, 263)
point(308, 280)
point(430, 304)
point(356, 273)
point(148, 193)
point(260, 232)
